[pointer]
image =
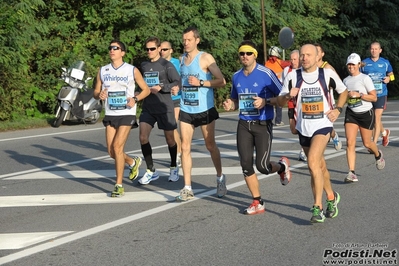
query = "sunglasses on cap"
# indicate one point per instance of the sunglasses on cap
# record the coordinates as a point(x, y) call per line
point(246, 53)
point(114, 47)
point(151, 49)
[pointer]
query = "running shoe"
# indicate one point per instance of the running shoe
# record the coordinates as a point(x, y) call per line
point(380, 163)
point(174, 174)
point(255, 208)
point(302, 156)
point(221, 188)
point(118, 191)
point(337, 142)
point(134, 170)
point(148, 177)
point(285, 177)
point(280, 124)
point(317, 215)
point(178, 160)
point(185, 195)
point(385, 139)
point(332, 206)
point(351, 177)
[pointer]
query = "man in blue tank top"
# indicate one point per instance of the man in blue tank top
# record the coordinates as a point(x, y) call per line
point(166, 53)
point(200, 75)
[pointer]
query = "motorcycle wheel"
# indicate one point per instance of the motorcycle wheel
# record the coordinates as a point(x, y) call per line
point(95, 116)
point(58, 120)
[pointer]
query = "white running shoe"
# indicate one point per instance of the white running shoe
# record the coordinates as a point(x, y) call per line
point(174, 174)
point(148, 177)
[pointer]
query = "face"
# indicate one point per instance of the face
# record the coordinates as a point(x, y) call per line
point(190, 42)
point(152, 50)
point(247, 58)
point(308, 57)
point(115, 51)
point(294, 58)
point(375, 50)
point(320, 54)
point(353, 69)
point(165, 50)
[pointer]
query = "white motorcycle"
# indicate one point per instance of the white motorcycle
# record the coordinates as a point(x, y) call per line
point(76, 101)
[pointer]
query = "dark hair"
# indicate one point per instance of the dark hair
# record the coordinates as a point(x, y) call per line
point(154, 39)
point(319, 45)
point(121, 44)
point(248, 42)
point(194, 30)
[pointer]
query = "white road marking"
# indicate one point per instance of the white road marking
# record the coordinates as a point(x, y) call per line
point(89, 198)
point(22, 240)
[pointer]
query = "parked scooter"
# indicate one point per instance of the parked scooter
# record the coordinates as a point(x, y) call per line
point(75, 101)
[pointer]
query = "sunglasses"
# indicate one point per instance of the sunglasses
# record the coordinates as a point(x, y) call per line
point(113, 47)
point(165, 49)
point(151, 49)
point(246, 53)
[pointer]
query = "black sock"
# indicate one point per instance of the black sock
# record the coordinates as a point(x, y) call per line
point(282, 168)
point(379, 156)
point(353, 172)
point(259, 199)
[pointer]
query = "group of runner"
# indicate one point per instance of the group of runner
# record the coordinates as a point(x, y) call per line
point(183, 90)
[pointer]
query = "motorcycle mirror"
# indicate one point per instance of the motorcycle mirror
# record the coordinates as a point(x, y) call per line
point(63, 69)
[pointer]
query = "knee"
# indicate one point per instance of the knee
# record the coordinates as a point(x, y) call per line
point(264, 169)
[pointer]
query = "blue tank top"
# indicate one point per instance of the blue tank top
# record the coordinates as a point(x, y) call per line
point(195, 99)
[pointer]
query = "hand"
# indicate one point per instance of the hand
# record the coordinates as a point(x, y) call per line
point(259, 102)
point(155, 89)
point(294, 92)
point(130, 102)
point(174, 90)
point(333, 115)
point(104, 94)
point(193, 81)
point(228, 105)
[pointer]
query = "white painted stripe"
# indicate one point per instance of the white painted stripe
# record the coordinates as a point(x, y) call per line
point(89, 198)
point(22, 240)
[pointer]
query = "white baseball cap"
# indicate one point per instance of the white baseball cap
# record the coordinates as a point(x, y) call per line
point(354, 58)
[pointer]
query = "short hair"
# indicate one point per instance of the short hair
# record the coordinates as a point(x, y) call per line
point(121, 44)
point(376, 43)
point(294, 51)
point(194, 30)
point(319, 45)
point(154, 39)
point(248, 42)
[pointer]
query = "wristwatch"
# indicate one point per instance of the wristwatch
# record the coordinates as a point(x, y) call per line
point(135, 99)
point(201, 83)
point(339, 109)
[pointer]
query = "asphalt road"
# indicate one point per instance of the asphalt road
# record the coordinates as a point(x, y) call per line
point(56, 210)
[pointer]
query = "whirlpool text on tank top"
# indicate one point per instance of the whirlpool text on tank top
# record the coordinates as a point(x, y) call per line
point(108, 77)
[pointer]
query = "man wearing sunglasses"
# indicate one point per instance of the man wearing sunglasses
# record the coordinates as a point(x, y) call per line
point(166, 53)
point(163, 79)
point(115, 85)
point(200, 75)
point(253, 94)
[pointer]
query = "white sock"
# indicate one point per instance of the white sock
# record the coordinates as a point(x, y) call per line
point(384, 133)
point(188, 187)
point(219, 178)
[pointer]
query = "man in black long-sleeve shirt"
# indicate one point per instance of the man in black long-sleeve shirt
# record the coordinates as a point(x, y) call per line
point(161, 76)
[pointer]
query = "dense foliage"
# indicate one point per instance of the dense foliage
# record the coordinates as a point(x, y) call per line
point(39, 37)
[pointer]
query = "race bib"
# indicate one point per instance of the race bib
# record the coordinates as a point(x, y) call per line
point(117, 100)
point(190, 96)
point(312, 107)
point(246, 104)
point(354, 102)
point(151, 78)
point(378, 86)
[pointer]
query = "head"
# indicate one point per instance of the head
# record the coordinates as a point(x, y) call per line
point(166, 50)
point(375, 50)
point(248, 53)
point(320, 52)
point(275, 51)
point(353, 63)
point(294, 59)
point(152, 47)
point(117, 49)
point(191, 39)
point(308, 57)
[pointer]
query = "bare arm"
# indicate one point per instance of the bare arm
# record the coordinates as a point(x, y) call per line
point(208, 63)
point(97, 88)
